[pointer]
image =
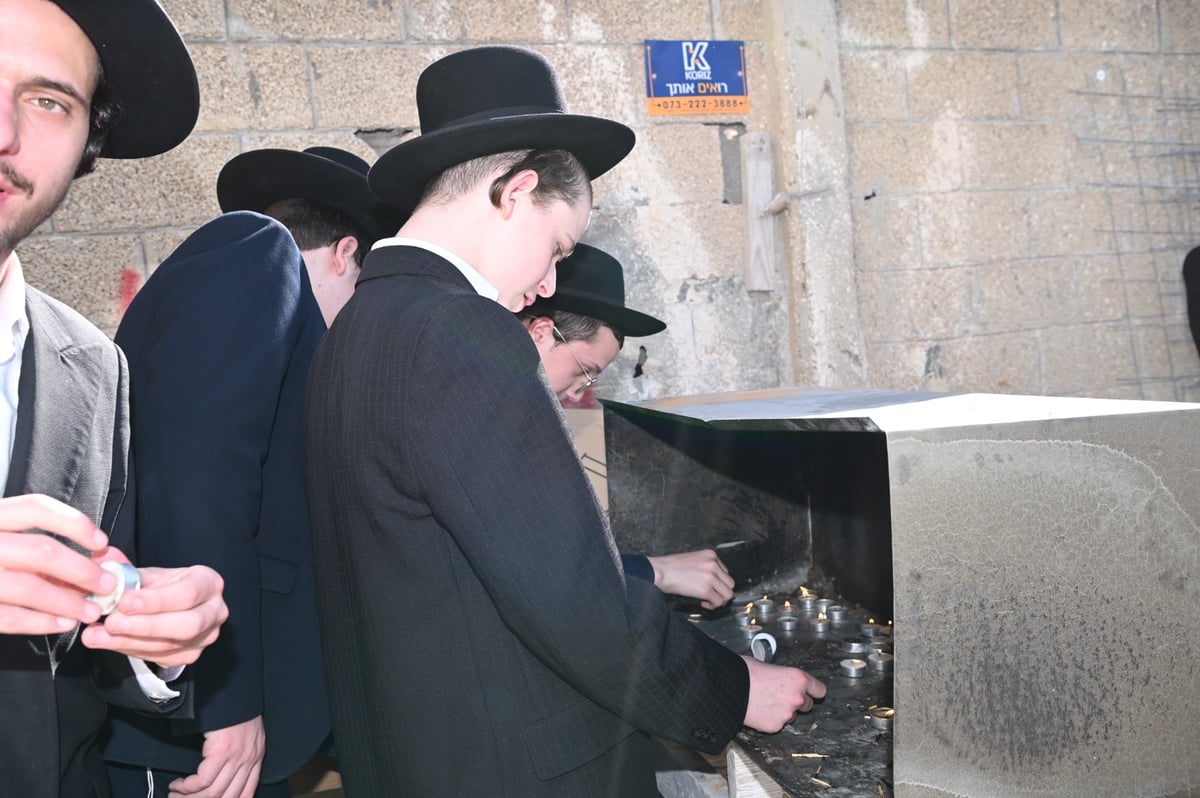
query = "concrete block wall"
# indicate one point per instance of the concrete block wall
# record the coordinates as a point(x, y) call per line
point(1030, 165)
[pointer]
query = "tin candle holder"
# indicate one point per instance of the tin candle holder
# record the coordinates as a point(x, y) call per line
point(787, 623)
point(823, 606)
point(820, 624)
point(128, 578)
point(871, 629)
point(764, 608)
point(879, 661)
point(751, 628)
point(743, 618)
point(879, 645)
point(855, 645)
point(788, 608)
point(836, 613)
point(881, 717)
point(854, 668)
point(807, 602)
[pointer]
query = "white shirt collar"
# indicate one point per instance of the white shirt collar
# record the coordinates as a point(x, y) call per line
point(477, 280)
point(14, 324)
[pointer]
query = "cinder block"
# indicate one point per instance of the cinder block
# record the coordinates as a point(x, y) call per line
point(1014, 156)
point(197, 20)
point(316, 20)
point(601, 80)
point(171, 190)
point(1071, 223)
point(672, 164)
point(915, 304)
point(1109, 25)
point(485, 21)
point(83, 271)
point(1006, 363)
point(341, 73)
point(1180, 26)
point(1013, 25)
point(1084, 87)
point(963, 85)
point(906, 157)
point(981, 227)
point(1095, 287)
point(630, 23)
point(691, 243)
point(871, 85)
point(159, 244)
point(1011, 296)
point(343, 139)
point(738, 19)
point(887, 233)
point(884, 23)
point(252, 86)
point(1089, 360)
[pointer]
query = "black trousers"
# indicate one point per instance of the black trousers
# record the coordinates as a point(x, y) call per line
point(129, 781)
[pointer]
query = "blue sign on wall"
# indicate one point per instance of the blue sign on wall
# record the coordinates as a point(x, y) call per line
point(696, 77)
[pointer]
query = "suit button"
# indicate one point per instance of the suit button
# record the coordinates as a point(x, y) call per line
point(702, 734)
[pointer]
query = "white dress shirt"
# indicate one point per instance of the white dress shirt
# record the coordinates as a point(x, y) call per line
point(477, 280)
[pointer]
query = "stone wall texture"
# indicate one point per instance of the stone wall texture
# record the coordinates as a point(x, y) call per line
point(980, 196)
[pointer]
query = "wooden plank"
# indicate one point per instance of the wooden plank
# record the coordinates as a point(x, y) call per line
point(747, 780)
point(762, 228)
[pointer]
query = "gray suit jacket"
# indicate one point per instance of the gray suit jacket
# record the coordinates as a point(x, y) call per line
point(71, 443)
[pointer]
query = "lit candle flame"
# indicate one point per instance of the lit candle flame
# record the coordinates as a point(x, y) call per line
point(870, 620)
point(750, 607)
point(821, 616)
point(803, 590)
point(787, 605)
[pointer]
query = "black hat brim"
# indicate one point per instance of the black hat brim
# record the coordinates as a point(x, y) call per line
point(148, 73)
point(255, 180)
point(628, 321)
point(401, 175)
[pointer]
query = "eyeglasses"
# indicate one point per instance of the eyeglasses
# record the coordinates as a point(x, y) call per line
point(588, 379)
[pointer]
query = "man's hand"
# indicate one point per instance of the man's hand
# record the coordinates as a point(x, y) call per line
point(695, 574)
point(169, 621)
point(232, 760)
point(777, 693)
point(44, 582)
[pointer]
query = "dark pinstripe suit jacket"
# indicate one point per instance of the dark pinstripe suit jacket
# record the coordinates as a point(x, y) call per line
point(478, 634)
point(71, 443)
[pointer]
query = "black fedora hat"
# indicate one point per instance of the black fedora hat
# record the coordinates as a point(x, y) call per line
point(487, 100)
point(147, 71)
point(592, 283)
point(255, 180)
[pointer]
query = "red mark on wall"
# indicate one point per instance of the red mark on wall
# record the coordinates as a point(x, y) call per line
point(131, 282)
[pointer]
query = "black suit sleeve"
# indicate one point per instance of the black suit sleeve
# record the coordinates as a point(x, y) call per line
point(499, 469)
point(209, 339)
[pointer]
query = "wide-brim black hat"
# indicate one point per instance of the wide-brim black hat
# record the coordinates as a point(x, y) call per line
point(488, 100)
point(255, 180)
point(147, 70)
point(592, 283)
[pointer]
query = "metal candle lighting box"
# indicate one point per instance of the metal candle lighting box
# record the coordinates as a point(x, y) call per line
point(991, 529)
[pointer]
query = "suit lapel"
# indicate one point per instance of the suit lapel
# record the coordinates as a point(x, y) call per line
point(55, 407)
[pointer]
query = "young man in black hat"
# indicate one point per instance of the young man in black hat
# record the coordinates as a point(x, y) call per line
point(218, 385)
point(478, 633)
point(578, 332)
point(79, 79)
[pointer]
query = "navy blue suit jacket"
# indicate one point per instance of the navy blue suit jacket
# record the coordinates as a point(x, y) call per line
point(219, 342)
